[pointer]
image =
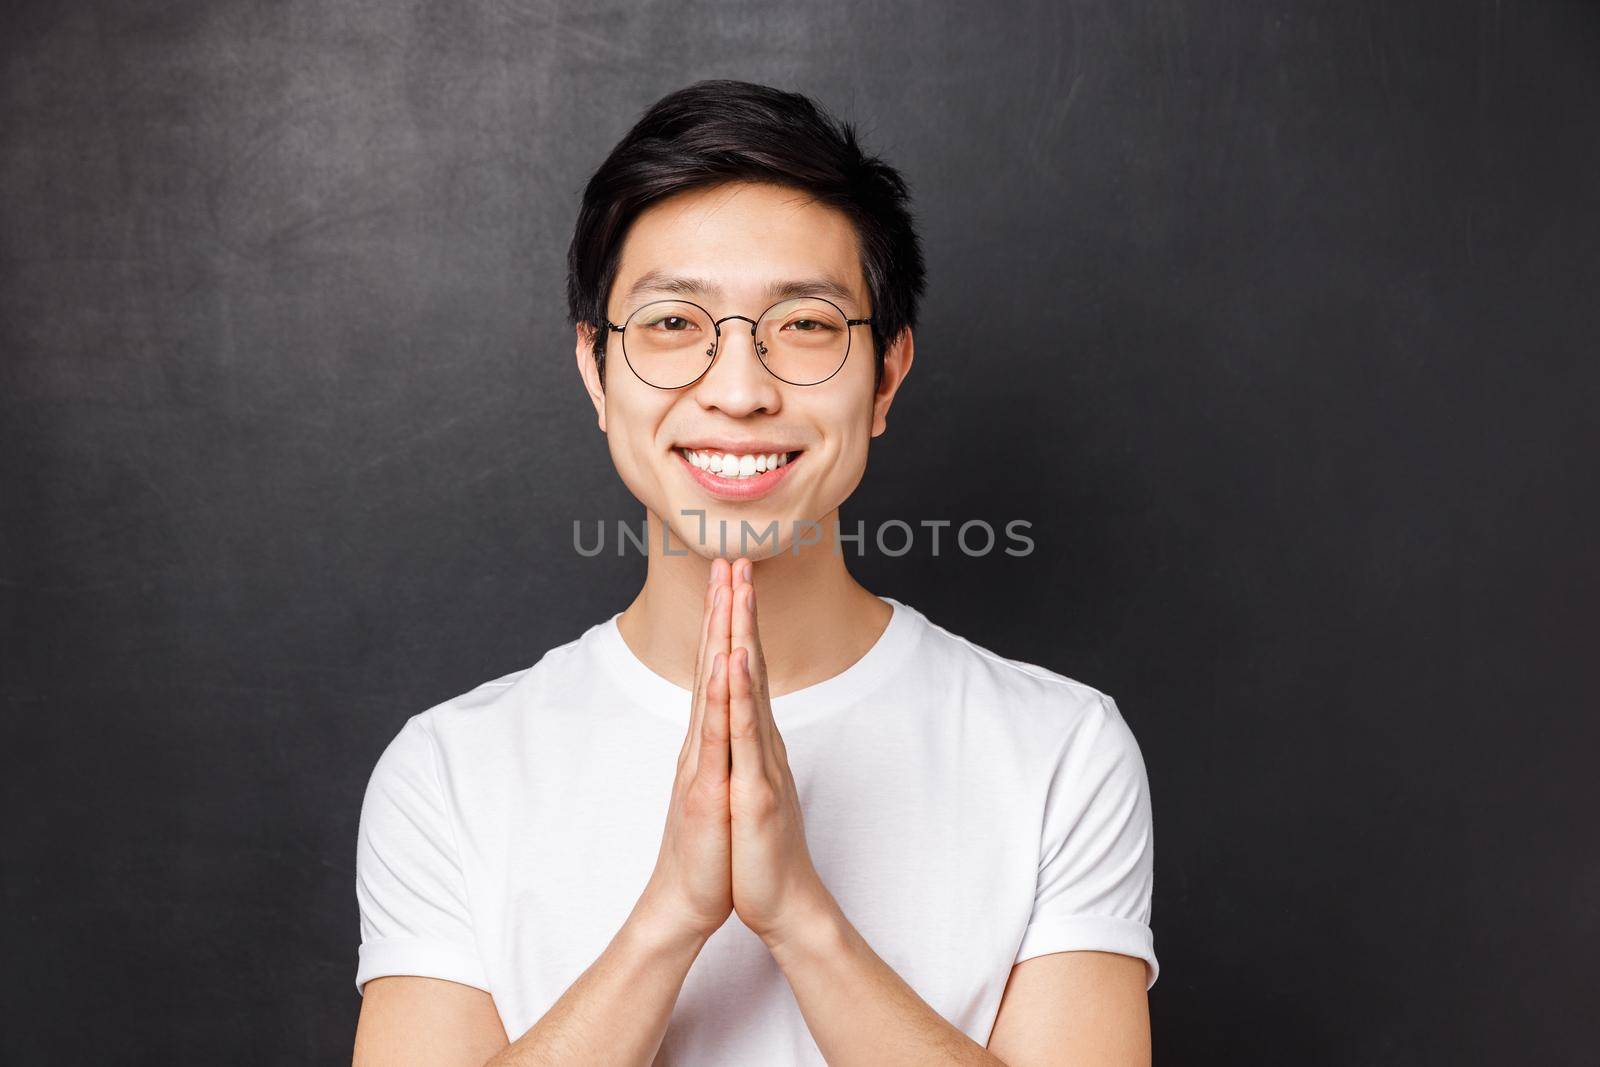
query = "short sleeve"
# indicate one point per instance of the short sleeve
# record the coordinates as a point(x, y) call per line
point(1098, 848)
point(409, 884)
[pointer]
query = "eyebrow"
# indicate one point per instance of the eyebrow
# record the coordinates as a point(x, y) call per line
point(656, 281)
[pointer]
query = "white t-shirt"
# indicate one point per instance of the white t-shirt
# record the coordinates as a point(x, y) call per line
point(966, 811)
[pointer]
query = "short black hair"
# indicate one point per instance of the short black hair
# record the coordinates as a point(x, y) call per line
point(720, 131)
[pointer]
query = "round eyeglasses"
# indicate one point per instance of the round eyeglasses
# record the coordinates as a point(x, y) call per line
point(671, 344)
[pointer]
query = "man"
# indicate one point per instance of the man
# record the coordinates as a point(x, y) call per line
point(798, 827)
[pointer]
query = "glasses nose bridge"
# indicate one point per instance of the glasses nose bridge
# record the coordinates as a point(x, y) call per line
point(716, 325)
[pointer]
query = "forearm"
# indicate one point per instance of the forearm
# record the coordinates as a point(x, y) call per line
point(858, 1009)
point(616, 1012)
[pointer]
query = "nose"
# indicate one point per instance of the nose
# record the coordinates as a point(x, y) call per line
point(738, 384)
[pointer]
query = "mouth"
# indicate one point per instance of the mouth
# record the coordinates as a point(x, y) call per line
point(736, 476)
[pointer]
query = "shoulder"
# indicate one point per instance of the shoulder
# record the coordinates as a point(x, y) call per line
point(1028, 690)
point(1055, 725)
point(479, 721)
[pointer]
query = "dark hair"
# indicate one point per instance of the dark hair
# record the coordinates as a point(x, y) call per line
point(719, 131)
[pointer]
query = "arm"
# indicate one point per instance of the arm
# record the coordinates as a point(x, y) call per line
point(1065, 1009)
point(1074, 1007)
point(408, 1019)
point(616, 1012)
point(1060, 1007)
point(859, 1011)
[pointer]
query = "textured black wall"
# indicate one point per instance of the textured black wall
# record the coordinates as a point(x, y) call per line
point(1276, 319)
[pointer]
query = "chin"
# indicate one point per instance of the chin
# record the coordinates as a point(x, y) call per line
point(765, 533)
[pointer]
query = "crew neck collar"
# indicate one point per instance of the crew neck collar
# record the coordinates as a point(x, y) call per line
point(655, 693)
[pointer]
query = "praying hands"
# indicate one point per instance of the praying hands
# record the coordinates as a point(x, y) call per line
point(735, 836)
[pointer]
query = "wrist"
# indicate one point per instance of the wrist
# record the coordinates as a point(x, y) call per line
point(820, 929)
point(656, 932)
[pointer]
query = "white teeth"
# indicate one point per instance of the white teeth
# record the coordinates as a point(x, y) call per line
point(731, 466)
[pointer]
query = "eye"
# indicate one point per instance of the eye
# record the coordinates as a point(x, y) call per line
point(808, 325)
point(670, 324)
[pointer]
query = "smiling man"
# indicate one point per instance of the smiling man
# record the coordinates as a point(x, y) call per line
point(719, 828)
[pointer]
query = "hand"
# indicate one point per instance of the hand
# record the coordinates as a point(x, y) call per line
point(691, 887)
point(776, 889)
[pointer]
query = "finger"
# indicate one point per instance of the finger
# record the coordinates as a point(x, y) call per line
point(716, 640)
point(714, 756)
point(697, 699)
point(745, 632)
point(722, 610)
point(705, 640)
point(718, 579)
point(749, 638)
point(744, 723)
point(761, 690)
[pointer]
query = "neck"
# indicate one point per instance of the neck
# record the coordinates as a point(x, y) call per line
point(815, 620)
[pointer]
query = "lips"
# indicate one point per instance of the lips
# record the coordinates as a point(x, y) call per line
point(738, 487)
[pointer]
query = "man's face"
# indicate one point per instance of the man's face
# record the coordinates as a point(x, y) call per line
point(728, 249)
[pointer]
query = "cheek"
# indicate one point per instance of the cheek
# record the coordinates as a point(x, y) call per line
point(855, 419)
point(849, 436)
point(633, 449)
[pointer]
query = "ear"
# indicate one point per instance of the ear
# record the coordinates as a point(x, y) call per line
point(896, 365)
point(590, 372)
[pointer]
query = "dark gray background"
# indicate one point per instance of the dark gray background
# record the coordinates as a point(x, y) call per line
point(1276, 319)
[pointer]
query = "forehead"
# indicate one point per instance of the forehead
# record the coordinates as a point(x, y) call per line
point(739, 243)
